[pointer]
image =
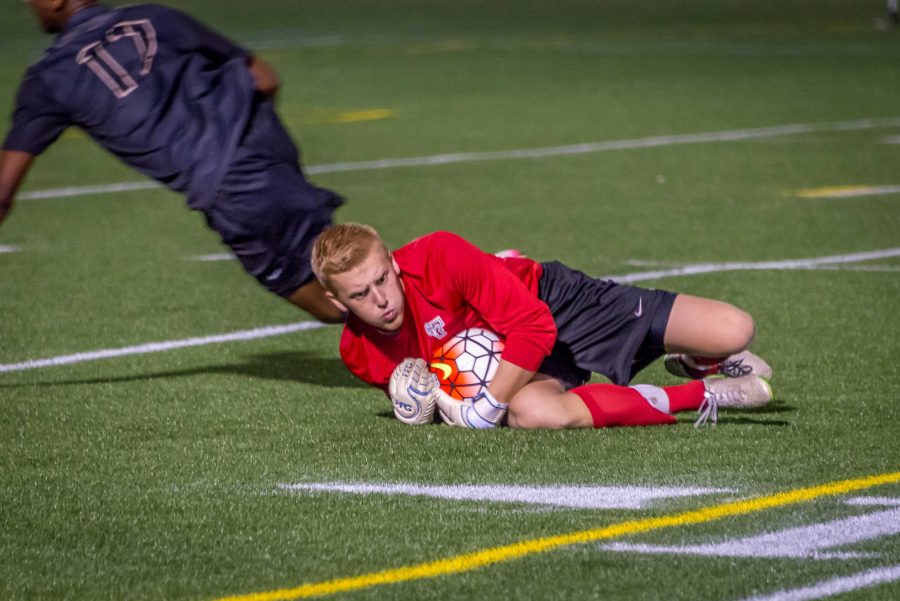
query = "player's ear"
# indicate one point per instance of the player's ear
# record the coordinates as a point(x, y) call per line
point(336, 302)
point(396, 266)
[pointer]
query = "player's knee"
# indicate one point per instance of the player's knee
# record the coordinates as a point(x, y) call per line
point(738, 332)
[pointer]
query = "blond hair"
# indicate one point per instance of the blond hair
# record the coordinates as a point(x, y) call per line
point(342, 247)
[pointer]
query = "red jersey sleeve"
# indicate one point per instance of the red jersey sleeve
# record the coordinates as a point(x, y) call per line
point(501, 298)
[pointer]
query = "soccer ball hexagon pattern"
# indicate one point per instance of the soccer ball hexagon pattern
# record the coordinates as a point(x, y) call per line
point(467, 362)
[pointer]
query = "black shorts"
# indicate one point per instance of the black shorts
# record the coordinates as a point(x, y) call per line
point(266, 211)
point(603, 327)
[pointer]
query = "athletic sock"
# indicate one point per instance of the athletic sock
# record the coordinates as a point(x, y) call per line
point(640, 405)
point(612, 405)
point(685, 397)
point(704, 361)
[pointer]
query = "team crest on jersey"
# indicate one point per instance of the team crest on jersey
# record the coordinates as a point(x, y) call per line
point(435, 328)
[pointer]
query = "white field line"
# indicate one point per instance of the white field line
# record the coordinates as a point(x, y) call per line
point(9, 249)
point(307, 325)
point(528, 153)
point(158, 347)
point(830, 267)
point(89, 190)
point(821, 541)
point(423, 43)
point(835, 586)
point(212, 258)
point(572, 497)
point(814, 263)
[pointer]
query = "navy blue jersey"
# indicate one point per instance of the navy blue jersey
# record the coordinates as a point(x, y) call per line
point(151, 85)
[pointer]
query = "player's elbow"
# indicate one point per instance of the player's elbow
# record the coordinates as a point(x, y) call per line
point(265, 77)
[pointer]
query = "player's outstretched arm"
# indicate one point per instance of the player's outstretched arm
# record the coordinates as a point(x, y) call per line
point(13, 167)
point(267, 82)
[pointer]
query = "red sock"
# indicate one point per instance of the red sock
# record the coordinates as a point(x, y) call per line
point(708, 361)
point(685, 397)
point(612, 405)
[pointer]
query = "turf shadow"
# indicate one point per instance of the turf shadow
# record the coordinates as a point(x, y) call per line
point(286, 366)
point(735, 420)
point(755, 416)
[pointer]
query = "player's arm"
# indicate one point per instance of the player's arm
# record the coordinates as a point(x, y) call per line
point(513, 311)
point(508, 380)
point(488, 409)
point(265, 76)
point(14, 165)
point(191, 35)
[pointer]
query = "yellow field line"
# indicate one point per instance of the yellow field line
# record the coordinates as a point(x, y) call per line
point(485, 557)
point(847, 191)
point(329, 117)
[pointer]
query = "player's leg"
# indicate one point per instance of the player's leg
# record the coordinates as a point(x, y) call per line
point(617, 330)
point(311, 298)
point(702, 326)
point(544, 403)
point(706, 337)
point(269, 214)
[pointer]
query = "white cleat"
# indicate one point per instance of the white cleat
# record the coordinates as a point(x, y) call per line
point(740, 364)
point(744, 392)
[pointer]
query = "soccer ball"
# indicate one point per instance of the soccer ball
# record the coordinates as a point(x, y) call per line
point(467, 362)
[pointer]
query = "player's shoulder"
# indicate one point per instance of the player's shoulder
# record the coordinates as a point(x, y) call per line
point(436, 253)
point(439, 240)
point(159, 14)
point(145, 8)
point(444, 238)
point(421, 250)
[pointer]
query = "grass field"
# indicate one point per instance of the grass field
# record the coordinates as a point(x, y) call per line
point(162, 475)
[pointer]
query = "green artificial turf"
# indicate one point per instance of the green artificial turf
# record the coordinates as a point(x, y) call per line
point(156, 476)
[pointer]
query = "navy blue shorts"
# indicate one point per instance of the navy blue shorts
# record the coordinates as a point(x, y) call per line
point(266, 211)
point(611, 329)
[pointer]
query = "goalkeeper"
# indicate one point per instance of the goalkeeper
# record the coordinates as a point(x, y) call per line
point(559, 326)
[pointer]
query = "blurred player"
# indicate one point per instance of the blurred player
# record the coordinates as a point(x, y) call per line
point(559, 325)
point(189, 108)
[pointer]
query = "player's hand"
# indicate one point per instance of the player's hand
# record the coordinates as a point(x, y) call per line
point(412, 388)
point(482, 412)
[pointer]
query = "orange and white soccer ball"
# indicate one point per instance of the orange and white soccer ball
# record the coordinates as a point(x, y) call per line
point(467, 362)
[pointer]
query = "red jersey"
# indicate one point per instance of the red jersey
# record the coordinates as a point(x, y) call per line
point(451, 285)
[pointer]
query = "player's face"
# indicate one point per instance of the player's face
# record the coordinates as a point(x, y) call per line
point(372, 291)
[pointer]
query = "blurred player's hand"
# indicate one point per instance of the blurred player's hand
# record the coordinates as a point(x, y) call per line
point(482, 412)
point(412, 388)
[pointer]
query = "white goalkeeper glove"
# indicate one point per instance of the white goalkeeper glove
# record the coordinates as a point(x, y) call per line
point(411, 389)
point(482, 412)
